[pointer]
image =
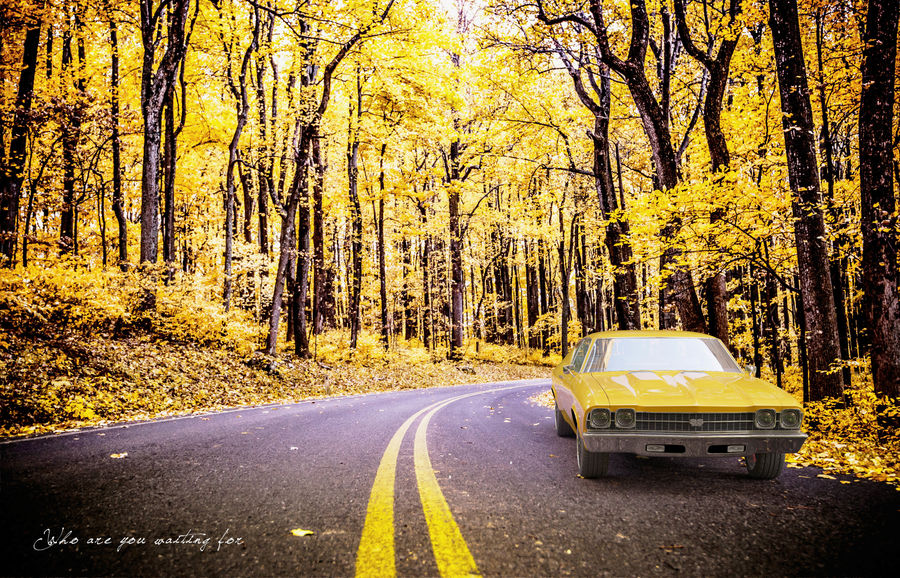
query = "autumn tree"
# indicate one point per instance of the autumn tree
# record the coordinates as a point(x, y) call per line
point(878, 221)
point(809, 228)
point(163, 23)
point(13, 157)
point(656, 126)
point(308, 131)
point(716, 63)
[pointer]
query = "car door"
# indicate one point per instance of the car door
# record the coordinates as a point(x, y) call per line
point(569, 374)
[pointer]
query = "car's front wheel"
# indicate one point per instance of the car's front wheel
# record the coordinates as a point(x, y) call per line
point(590, 464)
point(563, 429)
point(765, 466)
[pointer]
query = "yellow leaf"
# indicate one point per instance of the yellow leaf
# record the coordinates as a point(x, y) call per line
point(301, 532)
point(119, 456)
point(826, 476)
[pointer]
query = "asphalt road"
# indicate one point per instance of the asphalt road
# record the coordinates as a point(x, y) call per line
point(219, 495)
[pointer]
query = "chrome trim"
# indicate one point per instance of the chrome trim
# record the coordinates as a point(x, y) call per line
point(666, 421)
point(694, 444)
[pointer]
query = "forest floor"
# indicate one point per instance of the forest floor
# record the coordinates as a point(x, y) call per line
point(72, 381)
point(81, 348)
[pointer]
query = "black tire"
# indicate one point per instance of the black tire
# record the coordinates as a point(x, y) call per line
point(563, 429)
point(765, 466)
point(590, 464)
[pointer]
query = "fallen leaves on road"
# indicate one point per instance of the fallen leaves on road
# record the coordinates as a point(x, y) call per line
point(301, 532)
point(119, 456)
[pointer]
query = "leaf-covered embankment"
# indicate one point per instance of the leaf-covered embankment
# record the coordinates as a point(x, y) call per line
point(81, 348)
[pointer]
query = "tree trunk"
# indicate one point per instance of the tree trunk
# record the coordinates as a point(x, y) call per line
point(655, 122)
point(154, 86)
point(169, 166)
point(382, 266)
point(301, 281)
point(618, 246)
point(320, 271)
point(265, 181)
point(427, 314)
point(457, 281)
point(118, 200)
point(809, 227)
point(356, 214)
point(284, 259)
point(11, 175)
point(242, 108)
point(717, 68)
point(564, 271)
point(410, 324)
point(71, 127)
point(837, 263)
point(879, 220)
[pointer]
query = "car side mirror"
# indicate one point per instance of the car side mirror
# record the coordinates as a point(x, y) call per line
point(750, 369)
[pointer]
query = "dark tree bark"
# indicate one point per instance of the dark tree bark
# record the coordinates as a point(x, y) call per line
point(321, 272)
point(170, 149)
point(382, 265)
point(457, 280)
point(301, 279)
point(71, 132)
point(503, 287)
point(265, 180)
point(410, 319)
point(242, 108)
point(809, 227)
point(427, 314)
point(532, 297)
point(565, 270)
point(356, 213)
point(879, 220)
point(118, 199)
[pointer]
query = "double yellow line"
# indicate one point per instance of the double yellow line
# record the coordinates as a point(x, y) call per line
point(376, 554)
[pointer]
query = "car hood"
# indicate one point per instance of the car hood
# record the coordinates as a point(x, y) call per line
point(688, 391)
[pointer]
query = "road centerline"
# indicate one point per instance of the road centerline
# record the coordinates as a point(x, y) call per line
point(450, 550)
point(376, 555)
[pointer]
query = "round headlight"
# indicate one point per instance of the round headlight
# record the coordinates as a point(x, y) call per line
point(765, 418)
point(599, 419)
point(791, 418)
point(625, 418)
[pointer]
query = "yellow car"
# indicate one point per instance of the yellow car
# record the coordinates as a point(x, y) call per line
point(670, 393)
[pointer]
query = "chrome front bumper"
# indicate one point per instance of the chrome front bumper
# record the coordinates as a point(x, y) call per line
point(694, 444)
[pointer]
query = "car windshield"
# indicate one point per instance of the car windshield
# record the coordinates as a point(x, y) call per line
point(660, 354)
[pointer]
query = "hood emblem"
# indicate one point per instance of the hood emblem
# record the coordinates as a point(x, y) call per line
point(696, 422)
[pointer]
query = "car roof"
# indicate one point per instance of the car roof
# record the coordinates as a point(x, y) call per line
point(649, 333)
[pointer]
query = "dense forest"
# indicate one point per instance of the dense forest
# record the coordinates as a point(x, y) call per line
point(473, 171)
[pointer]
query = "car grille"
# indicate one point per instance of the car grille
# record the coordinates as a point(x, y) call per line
point(693, 422)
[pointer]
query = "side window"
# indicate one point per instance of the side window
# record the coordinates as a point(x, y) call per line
point(580, 353)
point(597, 359)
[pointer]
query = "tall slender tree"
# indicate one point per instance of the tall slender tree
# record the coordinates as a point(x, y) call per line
point(716, 62)
point(809, 225)
point(161, 22)
point(309, 125)
point(878, 221)
point(13, 163)
point(656, 126)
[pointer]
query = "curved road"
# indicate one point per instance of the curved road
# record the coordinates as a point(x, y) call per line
point(424, 482)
